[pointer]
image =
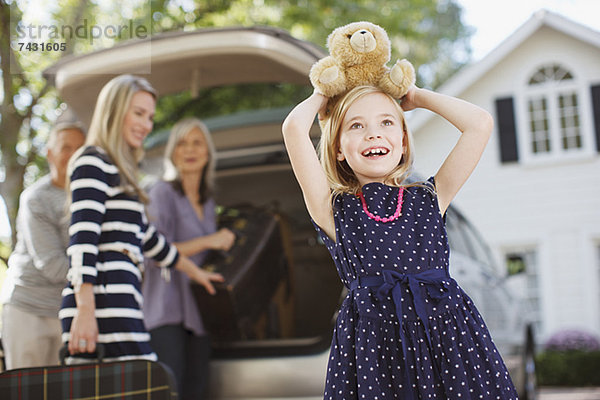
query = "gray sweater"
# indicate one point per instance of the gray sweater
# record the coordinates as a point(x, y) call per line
point(37, 268)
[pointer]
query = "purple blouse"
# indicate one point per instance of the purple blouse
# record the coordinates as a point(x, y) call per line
point(172, 302)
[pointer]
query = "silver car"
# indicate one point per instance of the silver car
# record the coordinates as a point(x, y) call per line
point(285, 354)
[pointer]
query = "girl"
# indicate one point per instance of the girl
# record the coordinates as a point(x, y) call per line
point(184, 211)
point(109, 232)
point(406, 329)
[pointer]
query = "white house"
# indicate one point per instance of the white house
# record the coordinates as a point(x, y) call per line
point(535, 195)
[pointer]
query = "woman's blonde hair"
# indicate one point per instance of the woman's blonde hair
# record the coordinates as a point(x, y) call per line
point(339, 174)
point(106, 128)
point(171, 173)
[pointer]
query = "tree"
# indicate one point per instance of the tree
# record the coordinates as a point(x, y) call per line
point(427, 32)
point(28, 103)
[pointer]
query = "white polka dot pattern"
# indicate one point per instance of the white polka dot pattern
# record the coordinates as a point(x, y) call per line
point(456, 360)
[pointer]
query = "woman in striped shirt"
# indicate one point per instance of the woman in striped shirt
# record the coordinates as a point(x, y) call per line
point(109, 231)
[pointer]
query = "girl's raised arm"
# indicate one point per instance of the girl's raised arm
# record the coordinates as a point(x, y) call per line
point(473, 122)
point(305, 162)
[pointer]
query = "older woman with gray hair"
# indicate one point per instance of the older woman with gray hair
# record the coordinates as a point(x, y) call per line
point(183, 210)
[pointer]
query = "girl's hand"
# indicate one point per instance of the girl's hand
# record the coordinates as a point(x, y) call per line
point(408, 101)
point(199, 275)
point(84, 330)
point(222, 240)
point(322, 113)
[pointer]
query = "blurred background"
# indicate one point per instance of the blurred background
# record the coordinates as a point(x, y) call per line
point(533, 65)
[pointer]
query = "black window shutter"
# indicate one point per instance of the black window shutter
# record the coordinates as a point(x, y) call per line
point(596, 109)
point(505, 118)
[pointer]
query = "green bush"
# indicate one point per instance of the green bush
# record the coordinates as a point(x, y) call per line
point(568, 368)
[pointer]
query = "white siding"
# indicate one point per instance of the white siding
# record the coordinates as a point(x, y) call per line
point(553, 207)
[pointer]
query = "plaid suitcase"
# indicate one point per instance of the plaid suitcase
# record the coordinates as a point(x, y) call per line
point(126, 380)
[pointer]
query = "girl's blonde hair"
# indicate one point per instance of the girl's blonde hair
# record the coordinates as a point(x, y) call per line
point(106, 128)
point(171, 174)
point(339, 174)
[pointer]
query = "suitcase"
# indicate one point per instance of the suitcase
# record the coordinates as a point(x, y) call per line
point(124, 380)
point(254, 269)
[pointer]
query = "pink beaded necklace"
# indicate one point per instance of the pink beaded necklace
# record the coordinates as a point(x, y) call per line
point(377, 217)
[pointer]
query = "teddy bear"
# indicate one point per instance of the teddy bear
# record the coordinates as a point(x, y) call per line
point(358, 56)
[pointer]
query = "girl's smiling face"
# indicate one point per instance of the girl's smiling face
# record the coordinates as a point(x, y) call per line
point(139, 119)
point(371, 138)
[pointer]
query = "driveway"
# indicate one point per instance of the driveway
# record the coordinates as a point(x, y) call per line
point(547, 393)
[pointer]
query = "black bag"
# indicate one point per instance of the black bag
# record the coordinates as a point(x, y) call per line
point(253, 269)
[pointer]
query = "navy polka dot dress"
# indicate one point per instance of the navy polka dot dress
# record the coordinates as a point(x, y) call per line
point(406, 330)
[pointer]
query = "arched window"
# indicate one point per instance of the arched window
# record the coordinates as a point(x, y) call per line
point(553, 112)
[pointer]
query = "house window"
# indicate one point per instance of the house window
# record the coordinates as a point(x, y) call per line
point(524, 265)
point(550, 73)
point(569, 121)
point(553, 112)
point(538, 125)
point(568, 127)
point(556, 115)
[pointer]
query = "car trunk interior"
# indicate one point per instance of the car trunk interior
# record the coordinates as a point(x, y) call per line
point(303, 318)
